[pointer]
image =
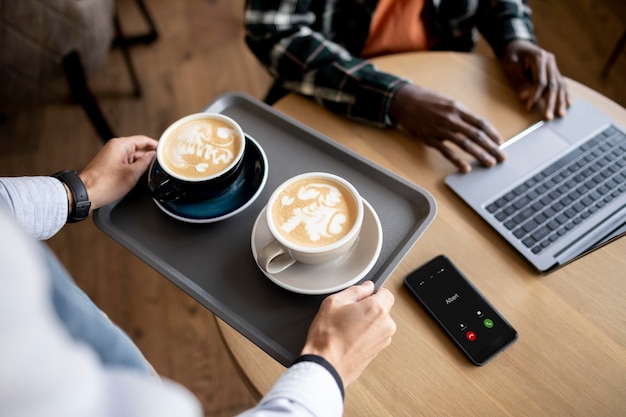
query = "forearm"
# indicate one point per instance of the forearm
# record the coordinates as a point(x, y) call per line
point(305, 389)
point(504, 21)
point(38, 204)
point(308, 63)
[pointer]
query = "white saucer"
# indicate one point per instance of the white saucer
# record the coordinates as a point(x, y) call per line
point(333, 276)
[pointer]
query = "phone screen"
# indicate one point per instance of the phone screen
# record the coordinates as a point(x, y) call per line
point(468, 318)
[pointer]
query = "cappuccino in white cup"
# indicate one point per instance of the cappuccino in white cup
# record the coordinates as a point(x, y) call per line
point(314, 218)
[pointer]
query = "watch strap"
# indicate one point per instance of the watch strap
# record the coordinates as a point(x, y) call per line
point(80, 209)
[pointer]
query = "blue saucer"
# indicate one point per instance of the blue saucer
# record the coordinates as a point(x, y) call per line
point(237, 197)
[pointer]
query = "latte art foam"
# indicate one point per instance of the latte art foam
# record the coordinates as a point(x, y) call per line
point(314, 212)
point(201, 148)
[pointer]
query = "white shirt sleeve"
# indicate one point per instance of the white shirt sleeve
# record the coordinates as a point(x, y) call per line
point(38, 204)
point(306, 389)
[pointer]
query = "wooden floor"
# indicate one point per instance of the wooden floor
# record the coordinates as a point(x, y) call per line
point(199, 55)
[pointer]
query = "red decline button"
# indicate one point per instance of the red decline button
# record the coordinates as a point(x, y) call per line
point(471, 336)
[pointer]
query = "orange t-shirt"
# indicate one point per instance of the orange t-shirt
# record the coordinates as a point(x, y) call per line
point(397, 26)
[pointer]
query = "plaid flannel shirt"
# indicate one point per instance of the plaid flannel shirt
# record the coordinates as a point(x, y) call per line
point(312, 47)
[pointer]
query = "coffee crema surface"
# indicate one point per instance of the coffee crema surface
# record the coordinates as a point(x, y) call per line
point(314, 212)
point(201, 148)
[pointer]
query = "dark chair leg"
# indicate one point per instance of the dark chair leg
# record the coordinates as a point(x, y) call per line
point(81, 93)
point(619, 47)
point(124, 46)
point(75, 73)
point(152, 34)
point(149, 37)
point(125, 42)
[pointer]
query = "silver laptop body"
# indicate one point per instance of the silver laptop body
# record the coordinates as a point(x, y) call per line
point(562, 190)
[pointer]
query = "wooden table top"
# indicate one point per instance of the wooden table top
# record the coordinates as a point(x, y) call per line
point(570, 358)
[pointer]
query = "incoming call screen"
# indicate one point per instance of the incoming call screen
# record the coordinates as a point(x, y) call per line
point(467, 317)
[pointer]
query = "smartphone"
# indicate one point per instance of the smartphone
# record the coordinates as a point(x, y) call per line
point(461, 310)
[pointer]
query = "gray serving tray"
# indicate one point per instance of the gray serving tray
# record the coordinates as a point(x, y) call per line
point(213, 262)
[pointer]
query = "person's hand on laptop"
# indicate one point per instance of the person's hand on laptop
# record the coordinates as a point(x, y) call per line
point(536, 77)
point(435, 119)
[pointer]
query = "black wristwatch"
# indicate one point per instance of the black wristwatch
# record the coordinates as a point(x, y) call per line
point(80, 210)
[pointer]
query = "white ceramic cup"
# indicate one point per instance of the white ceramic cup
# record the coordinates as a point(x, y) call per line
point(314, 218)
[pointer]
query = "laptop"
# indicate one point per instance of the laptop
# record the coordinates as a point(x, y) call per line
point(561, 193)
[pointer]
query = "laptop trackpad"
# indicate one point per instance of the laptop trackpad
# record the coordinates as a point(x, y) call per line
point(523, 156)
point(533, 150)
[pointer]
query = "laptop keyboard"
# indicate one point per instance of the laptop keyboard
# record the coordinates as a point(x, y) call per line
point(567, 193)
